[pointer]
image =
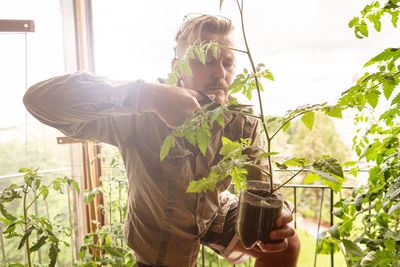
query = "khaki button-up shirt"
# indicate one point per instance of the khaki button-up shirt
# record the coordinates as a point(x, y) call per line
point(163, 222)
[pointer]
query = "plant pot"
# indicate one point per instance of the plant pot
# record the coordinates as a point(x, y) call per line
point(257, 214)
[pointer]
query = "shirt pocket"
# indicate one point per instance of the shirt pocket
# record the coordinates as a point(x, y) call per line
point(177, 163)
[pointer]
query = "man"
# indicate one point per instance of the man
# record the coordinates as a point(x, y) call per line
point(164, 225)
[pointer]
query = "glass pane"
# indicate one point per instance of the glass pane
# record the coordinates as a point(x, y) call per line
point(45, 58)
point(24, 141)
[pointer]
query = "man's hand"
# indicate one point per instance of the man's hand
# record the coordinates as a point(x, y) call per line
point(285, 232)
point(172, 104)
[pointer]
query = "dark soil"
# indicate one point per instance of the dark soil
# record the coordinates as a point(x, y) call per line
point(255, 222)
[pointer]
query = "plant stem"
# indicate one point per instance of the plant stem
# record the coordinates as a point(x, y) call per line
point(259, 97)
point(232, 48)
point(244, 113)
point(36, 197)
point(28, 254)
point(288, 180)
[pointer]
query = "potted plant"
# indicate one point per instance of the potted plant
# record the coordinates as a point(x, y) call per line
point(234, 161)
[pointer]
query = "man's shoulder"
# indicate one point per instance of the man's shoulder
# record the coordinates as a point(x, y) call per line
point(244, 121)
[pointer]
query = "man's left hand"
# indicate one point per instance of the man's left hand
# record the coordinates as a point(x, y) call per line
point(284, 232)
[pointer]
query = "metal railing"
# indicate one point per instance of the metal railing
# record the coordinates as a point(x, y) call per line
point(294, 187)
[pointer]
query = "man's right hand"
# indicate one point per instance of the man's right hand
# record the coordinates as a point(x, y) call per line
point(172, 104)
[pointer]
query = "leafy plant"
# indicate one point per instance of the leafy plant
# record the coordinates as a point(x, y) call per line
point(234, 161)
point(23, 226)
point(374, 242)
point(107, 246)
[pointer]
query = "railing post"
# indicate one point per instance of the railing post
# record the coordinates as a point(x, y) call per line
point(202, 256)
point(319, 223)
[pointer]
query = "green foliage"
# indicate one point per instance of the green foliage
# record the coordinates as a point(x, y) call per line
point(377, 203)
point(198, 50)
point(22, 226)
point(197, 130)
point(232, 164)
point(107, 246)
point(246, 83)
point(372, 13)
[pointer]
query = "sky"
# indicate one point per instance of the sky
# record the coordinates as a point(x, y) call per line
point(307, 45)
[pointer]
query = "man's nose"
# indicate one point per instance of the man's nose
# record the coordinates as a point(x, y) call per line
point(219, 71)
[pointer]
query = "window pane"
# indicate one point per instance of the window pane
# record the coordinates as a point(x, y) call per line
point(45, 58)
point(24, 141)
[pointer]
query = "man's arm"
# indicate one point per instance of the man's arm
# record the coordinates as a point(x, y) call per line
point(83, 105)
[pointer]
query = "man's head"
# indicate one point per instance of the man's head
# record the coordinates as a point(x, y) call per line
point(214, 77)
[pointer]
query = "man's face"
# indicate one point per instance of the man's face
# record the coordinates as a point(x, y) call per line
point(214, 77)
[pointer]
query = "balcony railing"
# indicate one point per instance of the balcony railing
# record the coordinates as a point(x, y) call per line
point(293, 187)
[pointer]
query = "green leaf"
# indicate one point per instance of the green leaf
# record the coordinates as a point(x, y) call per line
point(39, 243)
point(308, 119)
point(326, 176)
point(45, 192)
point(353, 22)
point(281, 166)
point(373, 97)
point(388, 87)
point(82, 252)
point(239, 177)
point(395, 17)
point(311, 177)
point(201, 185)
point(203, 136)
point(6, 214)
point(329, 164)
point(370, 260)
point(172, 79)
point(220, 119)
point(335, 112)
point(334, 231)
point(363, 28)
point(25, 236)
point(268, 75)
point(228, 146)
point(353, 249)
point(201, 55)
point(390, 244)
point(293, 162)
point(168, 143)
point(396, 100)
point(377, 24)
point(184, 65)
point(286, 126)
point(214, 50)
point(358, 201)
point(76, 186)
point(189, 134)
point(53, 253)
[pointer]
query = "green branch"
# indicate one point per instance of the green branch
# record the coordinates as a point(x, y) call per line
point(291, 178)
point(28, 253)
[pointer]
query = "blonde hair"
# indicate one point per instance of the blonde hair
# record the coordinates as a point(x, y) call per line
point(192, 29)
